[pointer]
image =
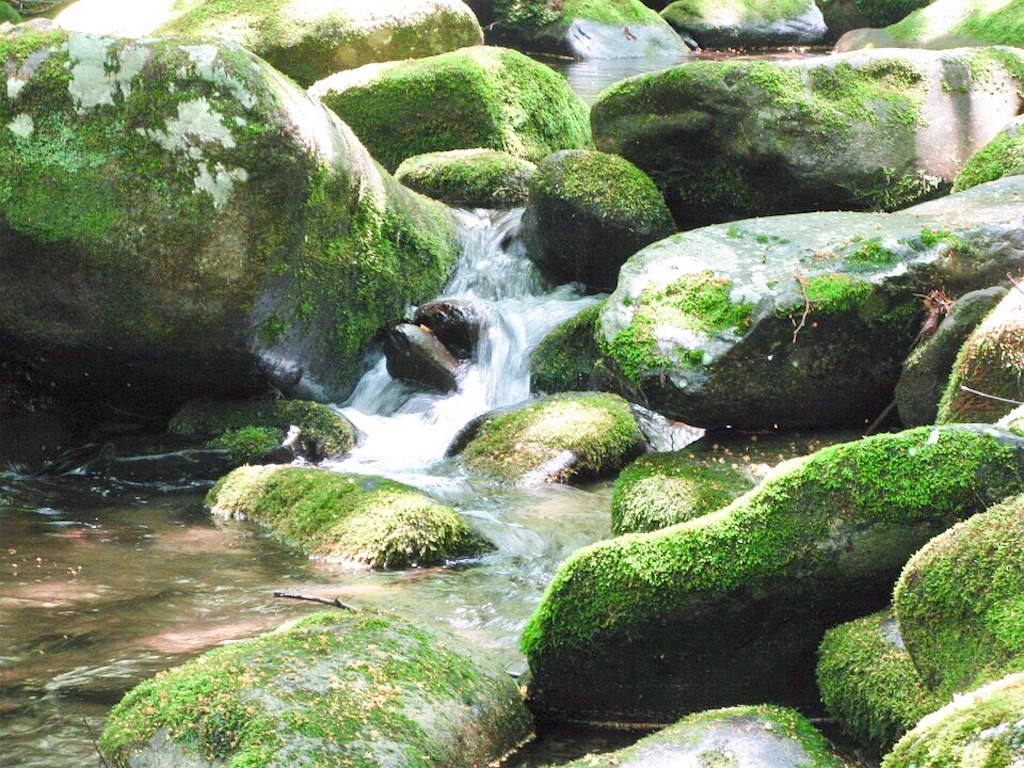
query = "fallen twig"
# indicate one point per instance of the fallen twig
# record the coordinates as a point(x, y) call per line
point(990, 397)
point(335, 603)
point(95, 744)
point(807, 305)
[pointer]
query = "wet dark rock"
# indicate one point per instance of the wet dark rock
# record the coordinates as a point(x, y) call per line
point(457, 323)
point(414, 354)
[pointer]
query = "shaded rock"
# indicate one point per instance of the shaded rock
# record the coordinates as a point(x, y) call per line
point(306, 41)
point(481, 97)
point(662, 489)
point(582, 29)
point(335, 688)
point(842, 16)
point(415, 355)
point(1002, 156)
point(705, 323)
point(747, 23)
point(179, 221)
point(731, 606)
point(569, 437)
point(926, 370)
point(959, 601)
point(358, 519)
point(471, 178)
point(743, 737)
point(868, 682)
point(983, 727)
point(587, 213)
point(457, 323)
point(871, 130)
point(947, 24)
point(564, 360)
point(990, 362)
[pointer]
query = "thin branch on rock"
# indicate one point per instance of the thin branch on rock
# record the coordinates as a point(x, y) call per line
point(807, 305)
point(990, 397)
point(335, 603)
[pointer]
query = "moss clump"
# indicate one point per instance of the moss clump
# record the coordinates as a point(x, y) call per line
point(991, 361)
point(364, 689)
point(366, 520)
point(243, 422)
point(536, 15)
point(248, 445)
point(568, 437)
point(868, 681)
point(662, 489)
point(1003, 156)
point(7, 13)
point(472, 178)
point(564, 360)
point(480, 97)
point(950, 23)
point(960, 601)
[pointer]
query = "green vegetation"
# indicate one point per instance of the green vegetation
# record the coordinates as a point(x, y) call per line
point(721, 12)
point(354, 689)
point(7, 13)
point(475, 178)
point(564, 360)
point(248, 445)
point(367, 520)
point(1003, 156)
point(992, 22)
point(539, 14)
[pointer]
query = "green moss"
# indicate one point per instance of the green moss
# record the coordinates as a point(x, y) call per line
point(248, 445)
point(682, 13)
point(334, 688)
point(535, 15)
point(575, 436)
point(367, 520)
point(564, 360)
point(993, 23)
point(872, 254)
point(868, 681)
point(1002, 156)
point(7, 13)
point(662, 489)
point(477, 178)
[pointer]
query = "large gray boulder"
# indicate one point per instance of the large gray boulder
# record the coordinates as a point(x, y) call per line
point(747, 23)
point(799, 320)
point(871, 130)
point(179, 220)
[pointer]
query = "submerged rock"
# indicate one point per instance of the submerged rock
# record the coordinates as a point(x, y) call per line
point(1002, 156)
point(947, 24)
point(747, 23)
point(868, 682)
point(587, 213)
point(569, 437)
point(358, 519)
point(361, 689)
point(481, 97)
point(415, 355)
point(730, 607)
point(178, 220)
point(469, 178)
point(871, 130)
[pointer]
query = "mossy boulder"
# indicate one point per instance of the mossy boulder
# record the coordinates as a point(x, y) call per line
point(1002, 156)
point(250, 429)
point(363, 689)
point(747, 23)
point(841, 16)
point(306, 41)
point(868, 682)
point(585, 29)
point(469, 178)
point(8, 14)
point(990, 362)
point(662, 489)
point(358, 519)
point(947, 24)
point(870, 130)
point(960, 601)
point(564, 360)
point(729, 607)
point(568, 437)
point(982, 728)
point(926, 369)
point(587, 213)
point(180, 221)
point(762, 736)
point(482, 97)
point(798, 321)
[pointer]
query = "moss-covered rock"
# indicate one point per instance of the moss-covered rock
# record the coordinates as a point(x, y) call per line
point(179, 221)
point(1003, 156)
point(469, 178)
point(662, 489)
point(960, 601)
point(841, 16)
point(1013, 421)
point(926, 369)
point(7, 13)
point(991, 362)
point(252, 428)
point(564, 360)
point(747, 23)
point(868, 682)
point(982, 728)
point(947, 24)
point(870, 130)
point(568, 437)
point(481, 97)
point(765, 736)
point(729, 607)
point(798, 321)
point(585, 29)
point(357, 689)
point(587, 213)
point(352, 518)
point(306, 41)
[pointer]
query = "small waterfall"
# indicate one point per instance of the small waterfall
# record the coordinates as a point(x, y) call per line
point(407, 430)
